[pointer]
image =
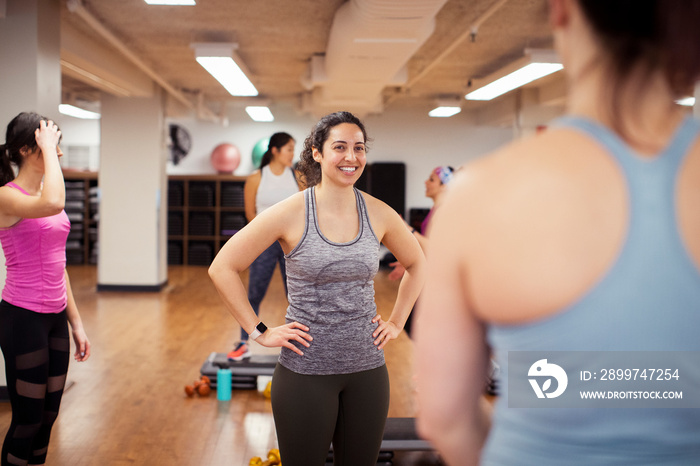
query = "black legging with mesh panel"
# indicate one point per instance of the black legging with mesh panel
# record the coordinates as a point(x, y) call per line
point(36, 348)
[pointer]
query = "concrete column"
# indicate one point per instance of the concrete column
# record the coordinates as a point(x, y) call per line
point(30, 74)
point(30, 51)
point(133, 186)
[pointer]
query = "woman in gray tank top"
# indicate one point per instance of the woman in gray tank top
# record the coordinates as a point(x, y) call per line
point(331, 382)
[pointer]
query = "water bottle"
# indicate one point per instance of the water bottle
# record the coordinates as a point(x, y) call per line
point(223, 384)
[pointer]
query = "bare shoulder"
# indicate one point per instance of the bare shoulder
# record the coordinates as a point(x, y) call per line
point(8, 196)
point(558, 191)
point(286, 220)
point(532, 168)
point(254, 177)
point(288, 209)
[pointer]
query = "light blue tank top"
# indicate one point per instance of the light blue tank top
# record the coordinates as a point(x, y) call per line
point(649, 300)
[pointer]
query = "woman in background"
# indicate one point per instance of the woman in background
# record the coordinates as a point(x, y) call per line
point(580, 244)
point(37, 301)
point(275, 181)
point(435, 188)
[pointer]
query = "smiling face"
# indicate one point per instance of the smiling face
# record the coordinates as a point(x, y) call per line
point(343, 156)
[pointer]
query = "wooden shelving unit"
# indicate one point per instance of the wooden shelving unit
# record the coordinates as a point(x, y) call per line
point(204, 211)
point(82, 208)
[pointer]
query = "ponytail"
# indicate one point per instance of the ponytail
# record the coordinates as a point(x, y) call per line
point(20, 135)
point(6, 172)
point(277, 140)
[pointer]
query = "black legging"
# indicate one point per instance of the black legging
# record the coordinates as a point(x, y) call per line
point(36, 348)
point(310, 411)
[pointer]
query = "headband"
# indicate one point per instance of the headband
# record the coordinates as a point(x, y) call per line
point(444, 173)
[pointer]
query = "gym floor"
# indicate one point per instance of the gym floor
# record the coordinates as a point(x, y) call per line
point(127, 406)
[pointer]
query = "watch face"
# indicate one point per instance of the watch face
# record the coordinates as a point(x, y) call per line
point(261, 327)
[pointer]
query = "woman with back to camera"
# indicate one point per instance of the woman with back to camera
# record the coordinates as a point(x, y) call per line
point(37, 300)
point(275, 181)
point(587, 251)
point(331, 382)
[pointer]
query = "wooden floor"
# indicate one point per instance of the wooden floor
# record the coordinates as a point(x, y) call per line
point(127, 406)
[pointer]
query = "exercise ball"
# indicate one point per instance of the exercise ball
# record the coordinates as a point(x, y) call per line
point(259, 150)
point(225, 158)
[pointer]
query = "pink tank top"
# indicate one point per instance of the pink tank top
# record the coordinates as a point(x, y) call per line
point(35, 257)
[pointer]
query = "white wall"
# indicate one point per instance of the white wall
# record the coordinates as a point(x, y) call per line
point(79, 135)
point(397, 135)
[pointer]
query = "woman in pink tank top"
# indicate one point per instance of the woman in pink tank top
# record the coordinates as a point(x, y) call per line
point(37, 302)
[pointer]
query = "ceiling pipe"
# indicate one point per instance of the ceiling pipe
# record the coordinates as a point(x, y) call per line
point(76, 7)
point(369, 44)
point(471, 33)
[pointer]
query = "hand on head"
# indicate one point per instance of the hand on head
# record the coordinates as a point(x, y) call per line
point(47, 135)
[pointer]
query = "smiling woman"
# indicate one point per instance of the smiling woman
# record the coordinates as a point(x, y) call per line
point(331, 376)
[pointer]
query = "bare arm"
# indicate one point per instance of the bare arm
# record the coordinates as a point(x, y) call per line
point(82, 344)
point(422, 240)
point(250, 192)
point(236, 256)
point(450, 346)
point(53, 194)
point(399, 240)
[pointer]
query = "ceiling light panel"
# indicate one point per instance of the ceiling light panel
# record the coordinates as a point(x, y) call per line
point(516, 79)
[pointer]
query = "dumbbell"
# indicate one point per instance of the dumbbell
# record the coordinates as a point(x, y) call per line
point(201, 386)
point(273, 459)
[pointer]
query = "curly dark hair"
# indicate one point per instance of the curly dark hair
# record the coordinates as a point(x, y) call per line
point(311, 169)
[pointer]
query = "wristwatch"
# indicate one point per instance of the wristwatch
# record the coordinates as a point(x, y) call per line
point(258, 330)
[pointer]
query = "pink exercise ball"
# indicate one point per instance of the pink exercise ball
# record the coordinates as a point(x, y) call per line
point(225, 158)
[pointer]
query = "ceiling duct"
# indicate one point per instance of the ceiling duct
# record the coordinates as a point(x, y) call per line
point(369, 44)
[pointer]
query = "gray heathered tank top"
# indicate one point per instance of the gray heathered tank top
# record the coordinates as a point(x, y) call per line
point(331, 290)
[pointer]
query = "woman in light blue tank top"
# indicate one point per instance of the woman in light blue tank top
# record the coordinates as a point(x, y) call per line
point(331, 383)
point(573, 257)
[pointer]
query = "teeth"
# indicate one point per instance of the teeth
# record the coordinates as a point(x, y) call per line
point(348, 169)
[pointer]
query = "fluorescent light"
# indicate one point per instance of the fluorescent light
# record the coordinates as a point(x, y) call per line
point(535, 65)
point(444, 112)
point(518, 78)
point(688, 101)
point(258, 113)
point(384, 40)
point(170, 2)
point(218, 60)
point(76, 112)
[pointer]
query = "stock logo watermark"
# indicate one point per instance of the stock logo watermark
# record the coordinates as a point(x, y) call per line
point(546, 371)
point(602, 379)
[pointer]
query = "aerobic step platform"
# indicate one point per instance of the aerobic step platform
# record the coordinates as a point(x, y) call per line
point(399, 434)
point(244, 374)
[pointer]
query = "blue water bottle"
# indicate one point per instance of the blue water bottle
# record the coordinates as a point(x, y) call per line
point(223, 384)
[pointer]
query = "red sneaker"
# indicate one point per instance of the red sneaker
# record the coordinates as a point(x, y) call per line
point(240, 352)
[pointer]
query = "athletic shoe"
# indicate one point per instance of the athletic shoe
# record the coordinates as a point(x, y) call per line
point(240, 352)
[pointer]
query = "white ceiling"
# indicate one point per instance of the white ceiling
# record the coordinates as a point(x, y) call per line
point(374, 54)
